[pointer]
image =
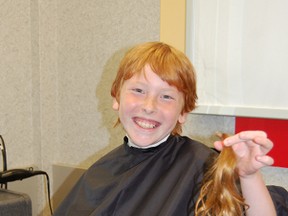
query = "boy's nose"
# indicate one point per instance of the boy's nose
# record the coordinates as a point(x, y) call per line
point(150, 104)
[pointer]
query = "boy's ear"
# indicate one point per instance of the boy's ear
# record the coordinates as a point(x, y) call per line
point(182, 118)
point(115, 104)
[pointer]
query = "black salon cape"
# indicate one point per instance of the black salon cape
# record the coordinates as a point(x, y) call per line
point(280, 198)
point(159, 181)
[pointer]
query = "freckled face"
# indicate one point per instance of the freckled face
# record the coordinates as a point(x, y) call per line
point(149, 108)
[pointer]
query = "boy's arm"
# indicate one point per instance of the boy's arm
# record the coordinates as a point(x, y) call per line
point(251, 148)
point(256, 195)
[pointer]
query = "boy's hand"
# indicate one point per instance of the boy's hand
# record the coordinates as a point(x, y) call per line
point(250, 148)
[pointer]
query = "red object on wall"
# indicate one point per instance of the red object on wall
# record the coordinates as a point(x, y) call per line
point(277, 131)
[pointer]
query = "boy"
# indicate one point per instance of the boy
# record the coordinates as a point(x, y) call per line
point(156, 171)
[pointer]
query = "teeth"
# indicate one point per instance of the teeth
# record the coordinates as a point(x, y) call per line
point(145, 124)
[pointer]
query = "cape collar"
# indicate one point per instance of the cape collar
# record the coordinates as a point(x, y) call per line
point(131, 144)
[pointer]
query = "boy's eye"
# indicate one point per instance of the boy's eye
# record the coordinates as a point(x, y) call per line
point(167, 97)
point(138, 90)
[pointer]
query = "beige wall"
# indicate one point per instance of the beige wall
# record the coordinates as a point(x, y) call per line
point(19, 87)
point(57, 61)
point(172, 23)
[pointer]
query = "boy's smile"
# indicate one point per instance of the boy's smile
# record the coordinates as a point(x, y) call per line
point(146, 123)
point(149, 108)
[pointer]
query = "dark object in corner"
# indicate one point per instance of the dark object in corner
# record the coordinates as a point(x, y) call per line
point(280, 198)
point(14, 203)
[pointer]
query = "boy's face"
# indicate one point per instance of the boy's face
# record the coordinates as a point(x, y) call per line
point(149, 108)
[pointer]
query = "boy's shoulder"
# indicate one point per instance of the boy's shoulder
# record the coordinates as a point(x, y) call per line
point(194, 153)
point(193, 146)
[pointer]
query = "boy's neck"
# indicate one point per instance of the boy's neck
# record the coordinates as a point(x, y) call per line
point(131, 144)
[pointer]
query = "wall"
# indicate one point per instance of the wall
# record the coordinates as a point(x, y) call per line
point(19, 87)
point(172, 23)
point(17, 104)
point(57, 61)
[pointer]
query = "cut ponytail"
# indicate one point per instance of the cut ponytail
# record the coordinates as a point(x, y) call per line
point(219, 194)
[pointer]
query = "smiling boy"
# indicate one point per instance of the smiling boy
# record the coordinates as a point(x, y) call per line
point(158, 172)
point(149, 108)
